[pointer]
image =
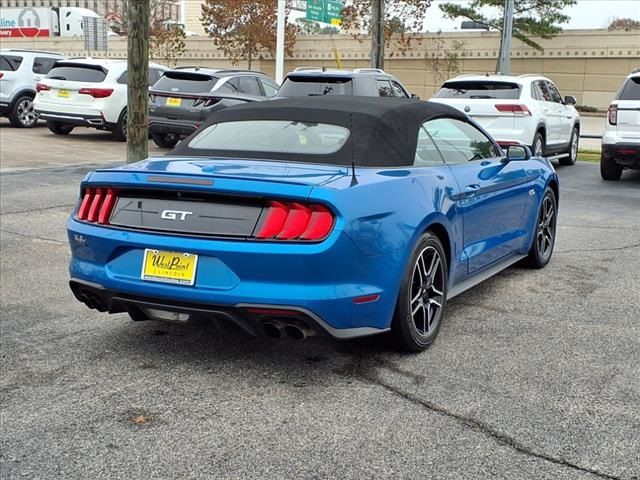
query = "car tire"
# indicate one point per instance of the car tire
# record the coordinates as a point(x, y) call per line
point(609, 169)
point(165, 140)
point(59, 128)
point(423, 294)
point(119, 132)
point(544, 235)
point(22, 114)
point(538, 145)
point(573, 148)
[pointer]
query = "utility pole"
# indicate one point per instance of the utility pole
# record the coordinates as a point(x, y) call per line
point(504, 61)
point(137, 80)
point(280, 30)
point(377, 34)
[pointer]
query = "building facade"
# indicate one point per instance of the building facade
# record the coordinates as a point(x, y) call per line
point(165, 9)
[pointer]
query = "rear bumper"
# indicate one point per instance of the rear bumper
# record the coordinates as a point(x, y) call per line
point(250, 317)
point(319, 281)
point(624, 154)
point(162, 126)
point(92, 120)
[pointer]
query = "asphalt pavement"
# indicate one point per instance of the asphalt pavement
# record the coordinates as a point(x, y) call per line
point(535, 373)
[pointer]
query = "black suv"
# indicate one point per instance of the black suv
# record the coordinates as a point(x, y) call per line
point(182, 99)
point(364, 82)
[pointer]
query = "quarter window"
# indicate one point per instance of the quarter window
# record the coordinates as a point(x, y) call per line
point(460, 142)
point(554, 93)
point(384, 88)
point(427, 153)
point(270, 88)
point(10, 63)
point(42, 65)
point(249, 85)
point(398, 90)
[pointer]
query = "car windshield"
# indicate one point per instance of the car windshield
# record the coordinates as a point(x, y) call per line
point(273, 136)
point(479, 90)
point(302, 86)
point(630, 90)
point(78, 73)
point(185, 82)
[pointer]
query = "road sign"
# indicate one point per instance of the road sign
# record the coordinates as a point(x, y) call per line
point(325, 11)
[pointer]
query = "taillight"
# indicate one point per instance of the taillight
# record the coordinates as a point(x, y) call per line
point(515, 108)
point(296, 221)
point(41, 87)
point(96, 205)
point(96, 92)
point(1, 74)
point(612, 116)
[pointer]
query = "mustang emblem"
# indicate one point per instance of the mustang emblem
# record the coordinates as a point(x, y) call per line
point(174, 215)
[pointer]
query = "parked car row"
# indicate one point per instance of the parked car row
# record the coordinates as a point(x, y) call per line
point(516, 110)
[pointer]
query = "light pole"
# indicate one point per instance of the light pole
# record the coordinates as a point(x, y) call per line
point(504, 64)
point(377, 34)
point(280, 41)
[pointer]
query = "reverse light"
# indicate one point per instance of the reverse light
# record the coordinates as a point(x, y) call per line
point(516, 108)
point(96, 92)
point(41, 87)
point(296, 221)
point(612, 115)
point(96, 205)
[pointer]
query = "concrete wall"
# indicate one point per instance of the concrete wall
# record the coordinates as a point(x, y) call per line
point(589, 64)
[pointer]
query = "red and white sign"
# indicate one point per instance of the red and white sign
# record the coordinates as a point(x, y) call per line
point(25, 22)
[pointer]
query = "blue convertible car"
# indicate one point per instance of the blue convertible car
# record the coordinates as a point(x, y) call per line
point(339, 216)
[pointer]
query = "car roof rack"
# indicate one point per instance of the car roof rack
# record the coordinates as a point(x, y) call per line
point(367, 70)
point(24, 50)
point(309, 69)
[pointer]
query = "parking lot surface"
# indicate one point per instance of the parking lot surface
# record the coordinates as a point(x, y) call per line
point(535, 373)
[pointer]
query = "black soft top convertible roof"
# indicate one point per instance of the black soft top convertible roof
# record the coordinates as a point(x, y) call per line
point(384, 131)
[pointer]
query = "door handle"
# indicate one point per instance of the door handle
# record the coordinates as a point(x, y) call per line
point(472, 188)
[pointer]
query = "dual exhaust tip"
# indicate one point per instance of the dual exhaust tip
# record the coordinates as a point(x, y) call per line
point(293, 332)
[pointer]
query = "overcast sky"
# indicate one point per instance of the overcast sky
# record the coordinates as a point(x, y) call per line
point(585, 14)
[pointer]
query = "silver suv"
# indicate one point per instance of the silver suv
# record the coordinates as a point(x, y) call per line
point(20, 70)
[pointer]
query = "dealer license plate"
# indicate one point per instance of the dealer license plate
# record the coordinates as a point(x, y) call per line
point(64, 93)
point(174, 102)
point(169, 267)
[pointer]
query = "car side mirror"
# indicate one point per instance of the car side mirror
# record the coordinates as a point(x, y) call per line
point(569, 100)
point(415, 97)
point(518, 152)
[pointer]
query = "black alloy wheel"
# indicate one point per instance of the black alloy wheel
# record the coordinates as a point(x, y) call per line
point(423, 294)
point(545, 233)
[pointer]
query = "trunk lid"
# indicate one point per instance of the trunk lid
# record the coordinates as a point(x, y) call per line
point(628, 126)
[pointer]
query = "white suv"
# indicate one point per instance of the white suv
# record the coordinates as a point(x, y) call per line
point(526, 110)
point(621, 137)
point(87, 92)
point(20, 70)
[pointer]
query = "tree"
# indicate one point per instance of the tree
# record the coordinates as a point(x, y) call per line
point(167, 43)
point(166, 38)
point(531, 18)
point(159, 15)
point(309, 27)
point(404, 18)
point(624, 24)
point(245, 29)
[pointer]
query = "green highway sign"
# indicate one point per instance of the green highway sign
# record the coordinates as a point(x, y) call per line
point(325, 11)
